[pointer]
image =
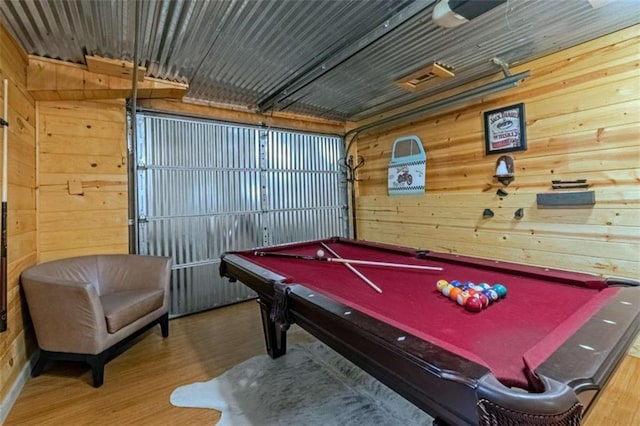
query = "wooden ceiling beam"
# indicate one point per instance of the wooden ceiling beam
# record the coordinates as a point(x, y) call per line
point(113, 67)
point(50, 79)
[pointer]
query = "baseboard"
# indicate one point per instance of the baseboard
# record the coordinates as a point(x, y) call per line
point(14, 392)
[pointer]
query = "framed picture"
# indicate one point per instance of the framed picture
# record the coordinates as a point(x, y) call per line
point(504, 130)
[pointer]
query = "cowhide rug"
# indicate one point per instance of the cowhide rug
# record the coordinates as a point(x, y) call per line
point(311, 385)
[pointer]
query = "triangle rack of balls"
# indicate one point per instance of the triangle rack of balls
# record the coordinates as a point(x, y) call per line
point(474, 297)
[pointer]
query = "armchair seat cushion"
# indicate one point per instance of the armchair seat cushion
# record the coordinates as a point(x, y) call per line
point(124, 307)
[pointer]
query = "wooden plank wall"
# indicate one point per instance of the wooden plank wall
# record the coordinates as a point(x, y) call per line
point(583, 121)
point(17, 342)
point(83, 194)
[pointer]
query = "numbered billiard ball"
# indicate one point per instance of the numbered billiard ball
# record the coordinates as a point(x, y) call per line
point(462, 298)
point(453, 295)
point(473, 304)
point(491, 294)
point(441, 284)
point(500, 289)
point(447, 290)
point(483, 299)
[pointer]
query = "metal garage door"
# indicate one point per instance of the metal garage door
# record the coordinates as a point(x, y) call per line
point(206, 187)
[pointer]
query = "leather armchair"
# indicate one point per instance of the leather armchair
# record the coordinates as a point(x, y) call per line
point(86, 308)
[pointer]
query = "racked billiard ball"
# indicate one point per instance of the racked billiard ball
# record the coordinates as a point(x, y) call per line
point(500, 289)
point(447, 290)
point(473, 304)
point(453, 294)
point(462, 298)
point(491, 294)
point(441, 284)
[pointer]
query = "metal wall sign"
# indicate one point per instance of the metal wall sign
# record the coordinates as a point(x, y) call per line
point(407, 168)
point(206, 187)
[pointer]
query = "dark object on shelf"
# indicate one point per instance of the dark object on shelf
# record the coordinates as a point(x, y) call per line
point(569, 181)
point(575, 186)
point(519, 214)
point(501, 192)
point(487, 213)
point(569, 184)
point(566, 199)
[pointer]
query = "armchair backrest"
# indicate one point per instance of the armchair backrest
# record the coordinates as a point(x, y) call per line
point(76, 269)
point(121, 272)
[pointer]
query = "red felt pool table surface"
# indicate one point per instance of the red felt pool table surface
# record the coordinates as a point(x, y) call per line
point(511, 337)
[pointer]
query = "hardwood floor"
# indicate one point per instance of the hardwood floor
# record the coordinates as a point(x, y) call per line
point(138, 383)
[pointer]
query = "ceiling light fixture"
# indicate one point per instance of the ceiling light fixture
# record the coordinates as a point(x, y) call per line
point(423, 78)
point(452, 13)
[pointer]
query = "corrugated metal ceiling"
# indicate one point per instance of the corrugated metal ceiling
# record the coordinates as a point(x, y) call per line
point(242, 52)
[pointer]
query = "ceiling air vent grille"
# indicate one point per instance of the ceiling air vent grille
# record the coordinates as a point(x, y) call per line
point(422, 78)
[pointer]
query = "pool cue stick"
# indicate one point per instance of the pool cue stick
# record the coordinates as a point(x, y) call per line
point(3, 243)
point(387, 264)
point(352, 269)
point(354, 261)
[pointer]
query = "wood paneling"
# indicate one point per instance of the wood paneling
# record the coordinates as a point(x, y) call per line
point(114, 67)
point(582, 109)
point(82, 142)
point(52, 80)
point(17, 342)
point(276, 119)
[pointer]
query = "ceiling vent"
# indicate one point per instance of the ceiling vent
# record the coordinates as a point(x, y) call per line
point(424, 77)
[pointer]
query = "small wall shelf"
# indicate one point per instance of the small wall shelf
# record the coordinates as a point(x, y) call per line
point(566, 199)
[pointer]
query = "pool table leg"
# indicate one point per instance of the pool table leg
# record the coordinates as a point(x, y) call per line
point(275, 338)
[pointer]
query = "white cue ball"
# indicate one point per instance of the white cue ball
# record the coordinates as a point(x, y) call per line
point(320, 253)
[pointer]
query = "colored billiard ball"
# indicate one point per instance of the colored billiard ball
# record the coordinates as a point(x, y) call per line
point(478, 294)
point(320, 253)
point(483, 299)
point(453, 295)
point(484, 286)
point(447, 290)
point(455, 283)
point(491, 294)
point(441, 284)
point(473, 304)
point(500, 289)
point(462, 298)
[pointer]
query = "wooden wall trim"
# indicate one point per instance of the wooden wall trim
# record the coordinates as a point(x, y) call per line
point(18, 342)
point(237, 115)
point(53, 80)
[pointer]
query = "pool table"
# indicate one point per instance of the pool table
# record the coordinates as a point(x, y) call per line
point(540, 355)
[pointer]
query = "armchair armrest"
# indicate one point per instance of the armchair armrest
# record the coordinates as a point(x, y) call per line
point(67, 314)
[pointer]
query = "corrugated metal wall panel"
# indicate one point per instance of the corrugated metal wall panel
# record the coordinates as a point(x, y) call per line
point(306, 187)
point(206, 188)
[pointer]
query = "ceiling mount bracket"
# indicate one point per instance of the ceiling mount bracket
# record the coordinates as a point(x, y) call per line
point(502, 64)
